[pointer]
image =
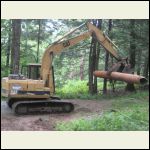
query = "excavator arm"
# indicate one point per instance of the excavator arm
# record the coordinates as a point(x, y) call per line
point(104, 41)
point(59, 46)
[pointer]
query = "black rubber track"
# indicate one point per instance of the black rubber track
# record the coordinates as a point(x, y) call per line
point(41, 107)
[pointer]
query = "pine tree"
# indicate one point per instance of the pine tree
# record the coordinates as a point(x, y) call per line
point(15, 48)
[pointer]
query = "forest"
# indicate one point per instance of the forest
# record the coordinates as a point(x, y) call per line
point(24, 41)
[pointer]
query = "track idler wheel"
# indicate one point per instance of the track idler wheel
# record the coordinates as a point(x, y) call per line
point(68, 108)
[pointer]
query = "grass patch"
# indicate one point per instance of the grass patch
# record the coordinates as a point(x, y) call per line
point(73, 89)
point(77, 89)
point(128, 113)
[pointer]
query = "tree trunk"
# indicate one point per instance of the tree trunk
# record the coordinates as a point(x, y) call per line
point(15, 47)
point(8, 45)
point(107, 57)
point(130, 87)
point(26, 43)
point(139, 62)
point(94, 59)
point(106, 68)
point(91, 68)
point(146, 66)
point(96, 66)
point(38, 40)
point(99, 25)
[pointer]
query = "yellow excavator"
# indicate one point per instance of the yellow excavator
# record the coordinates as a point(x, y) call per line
point(35, 93)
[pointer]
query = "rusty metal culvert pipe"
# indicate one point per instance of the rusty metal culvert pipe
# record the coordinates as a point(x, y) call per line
point(129, 78)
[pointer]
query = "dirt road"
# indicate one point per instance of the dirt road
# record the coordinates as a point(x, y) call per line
point(10, 122)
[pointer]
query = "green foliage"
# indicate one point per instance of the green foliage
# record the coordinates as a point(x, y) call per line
point(79, 89)
point(129, 120)
point(131, 99)
point(73, 89)
point(127, 114)
point(4, 73)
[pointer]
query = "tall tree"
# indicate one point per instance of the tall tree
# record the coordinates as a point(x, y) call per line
point(26, 39)
point(146, 66)
point(132, 52)
point(8, 45)
point(139, 61)
point(107, 57)
point(94, 59)
point(38, 40)
point(99, 25)
point(15, 46)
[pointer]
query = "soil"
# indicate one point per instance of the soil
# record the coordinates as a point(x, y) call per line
point(47, 122)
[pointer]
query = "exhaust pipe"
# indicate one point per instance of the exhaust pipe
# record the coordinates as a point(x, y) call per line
point(129, 78)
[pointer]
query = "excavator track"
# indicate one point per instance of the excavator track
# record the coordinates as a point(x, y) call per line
point(42, 107)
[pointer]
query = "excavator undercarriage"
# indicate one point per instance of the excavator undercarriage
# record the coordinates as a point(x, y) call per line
point(27, 107)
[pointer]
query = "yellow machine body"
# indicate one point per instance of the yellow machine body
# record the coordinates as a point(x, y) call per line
point(24, 88)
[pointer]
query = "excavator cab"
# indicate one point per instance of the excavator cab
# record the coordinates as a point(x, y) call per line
point(31, 71)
